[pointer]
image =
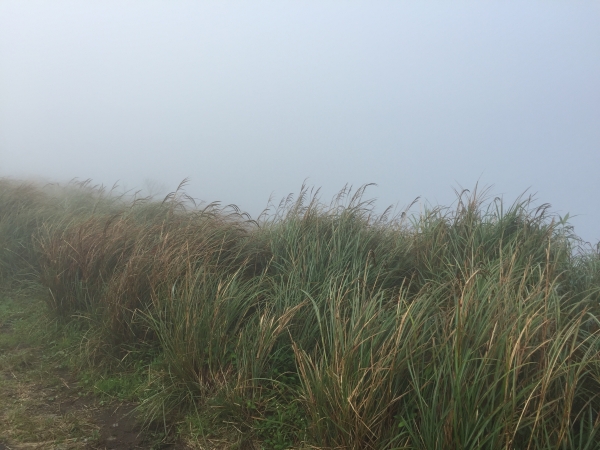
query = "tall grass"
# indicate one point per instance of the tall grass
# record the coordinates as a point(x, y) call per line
point(329, 325)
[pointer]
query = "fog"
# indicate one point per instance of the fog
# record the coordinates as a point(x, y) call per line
point(250, 99)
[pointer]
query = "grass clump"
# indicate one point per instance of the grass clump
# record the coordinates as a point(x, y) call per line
point(326, 325)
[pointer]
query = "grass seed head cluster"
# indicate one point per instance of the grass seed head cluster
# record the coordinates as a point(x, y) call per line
point(329, 325)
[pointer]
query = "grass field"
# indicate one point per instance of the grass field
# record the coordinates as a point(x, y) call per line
point(317, 325)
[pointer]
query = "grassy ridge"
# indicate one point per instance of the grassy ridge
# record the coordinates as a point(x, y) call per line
point(327, 325)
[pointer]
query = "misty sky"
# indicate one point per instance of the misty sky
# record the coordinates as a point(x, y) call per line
point(249, 99)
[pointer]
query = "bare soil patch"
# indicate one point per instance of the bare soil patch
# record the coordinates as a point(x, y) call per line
point(43, 406)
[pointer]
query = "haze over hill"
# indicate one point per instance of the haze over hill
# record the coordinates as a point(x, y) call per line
point(250, 99)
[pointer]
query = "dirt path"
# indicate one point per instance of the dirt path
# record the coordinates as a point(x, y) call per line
point(43, 406)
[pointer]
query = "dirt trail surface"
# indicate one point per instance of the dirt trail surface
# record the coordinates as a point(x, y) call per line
point(43, 406)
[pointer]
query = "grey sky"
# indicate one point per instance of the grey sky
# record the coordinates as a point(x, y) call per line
point(250, 98)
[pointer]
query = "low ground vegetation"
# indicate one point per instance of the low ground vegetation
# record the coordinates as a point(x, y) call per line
point(319, 325)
